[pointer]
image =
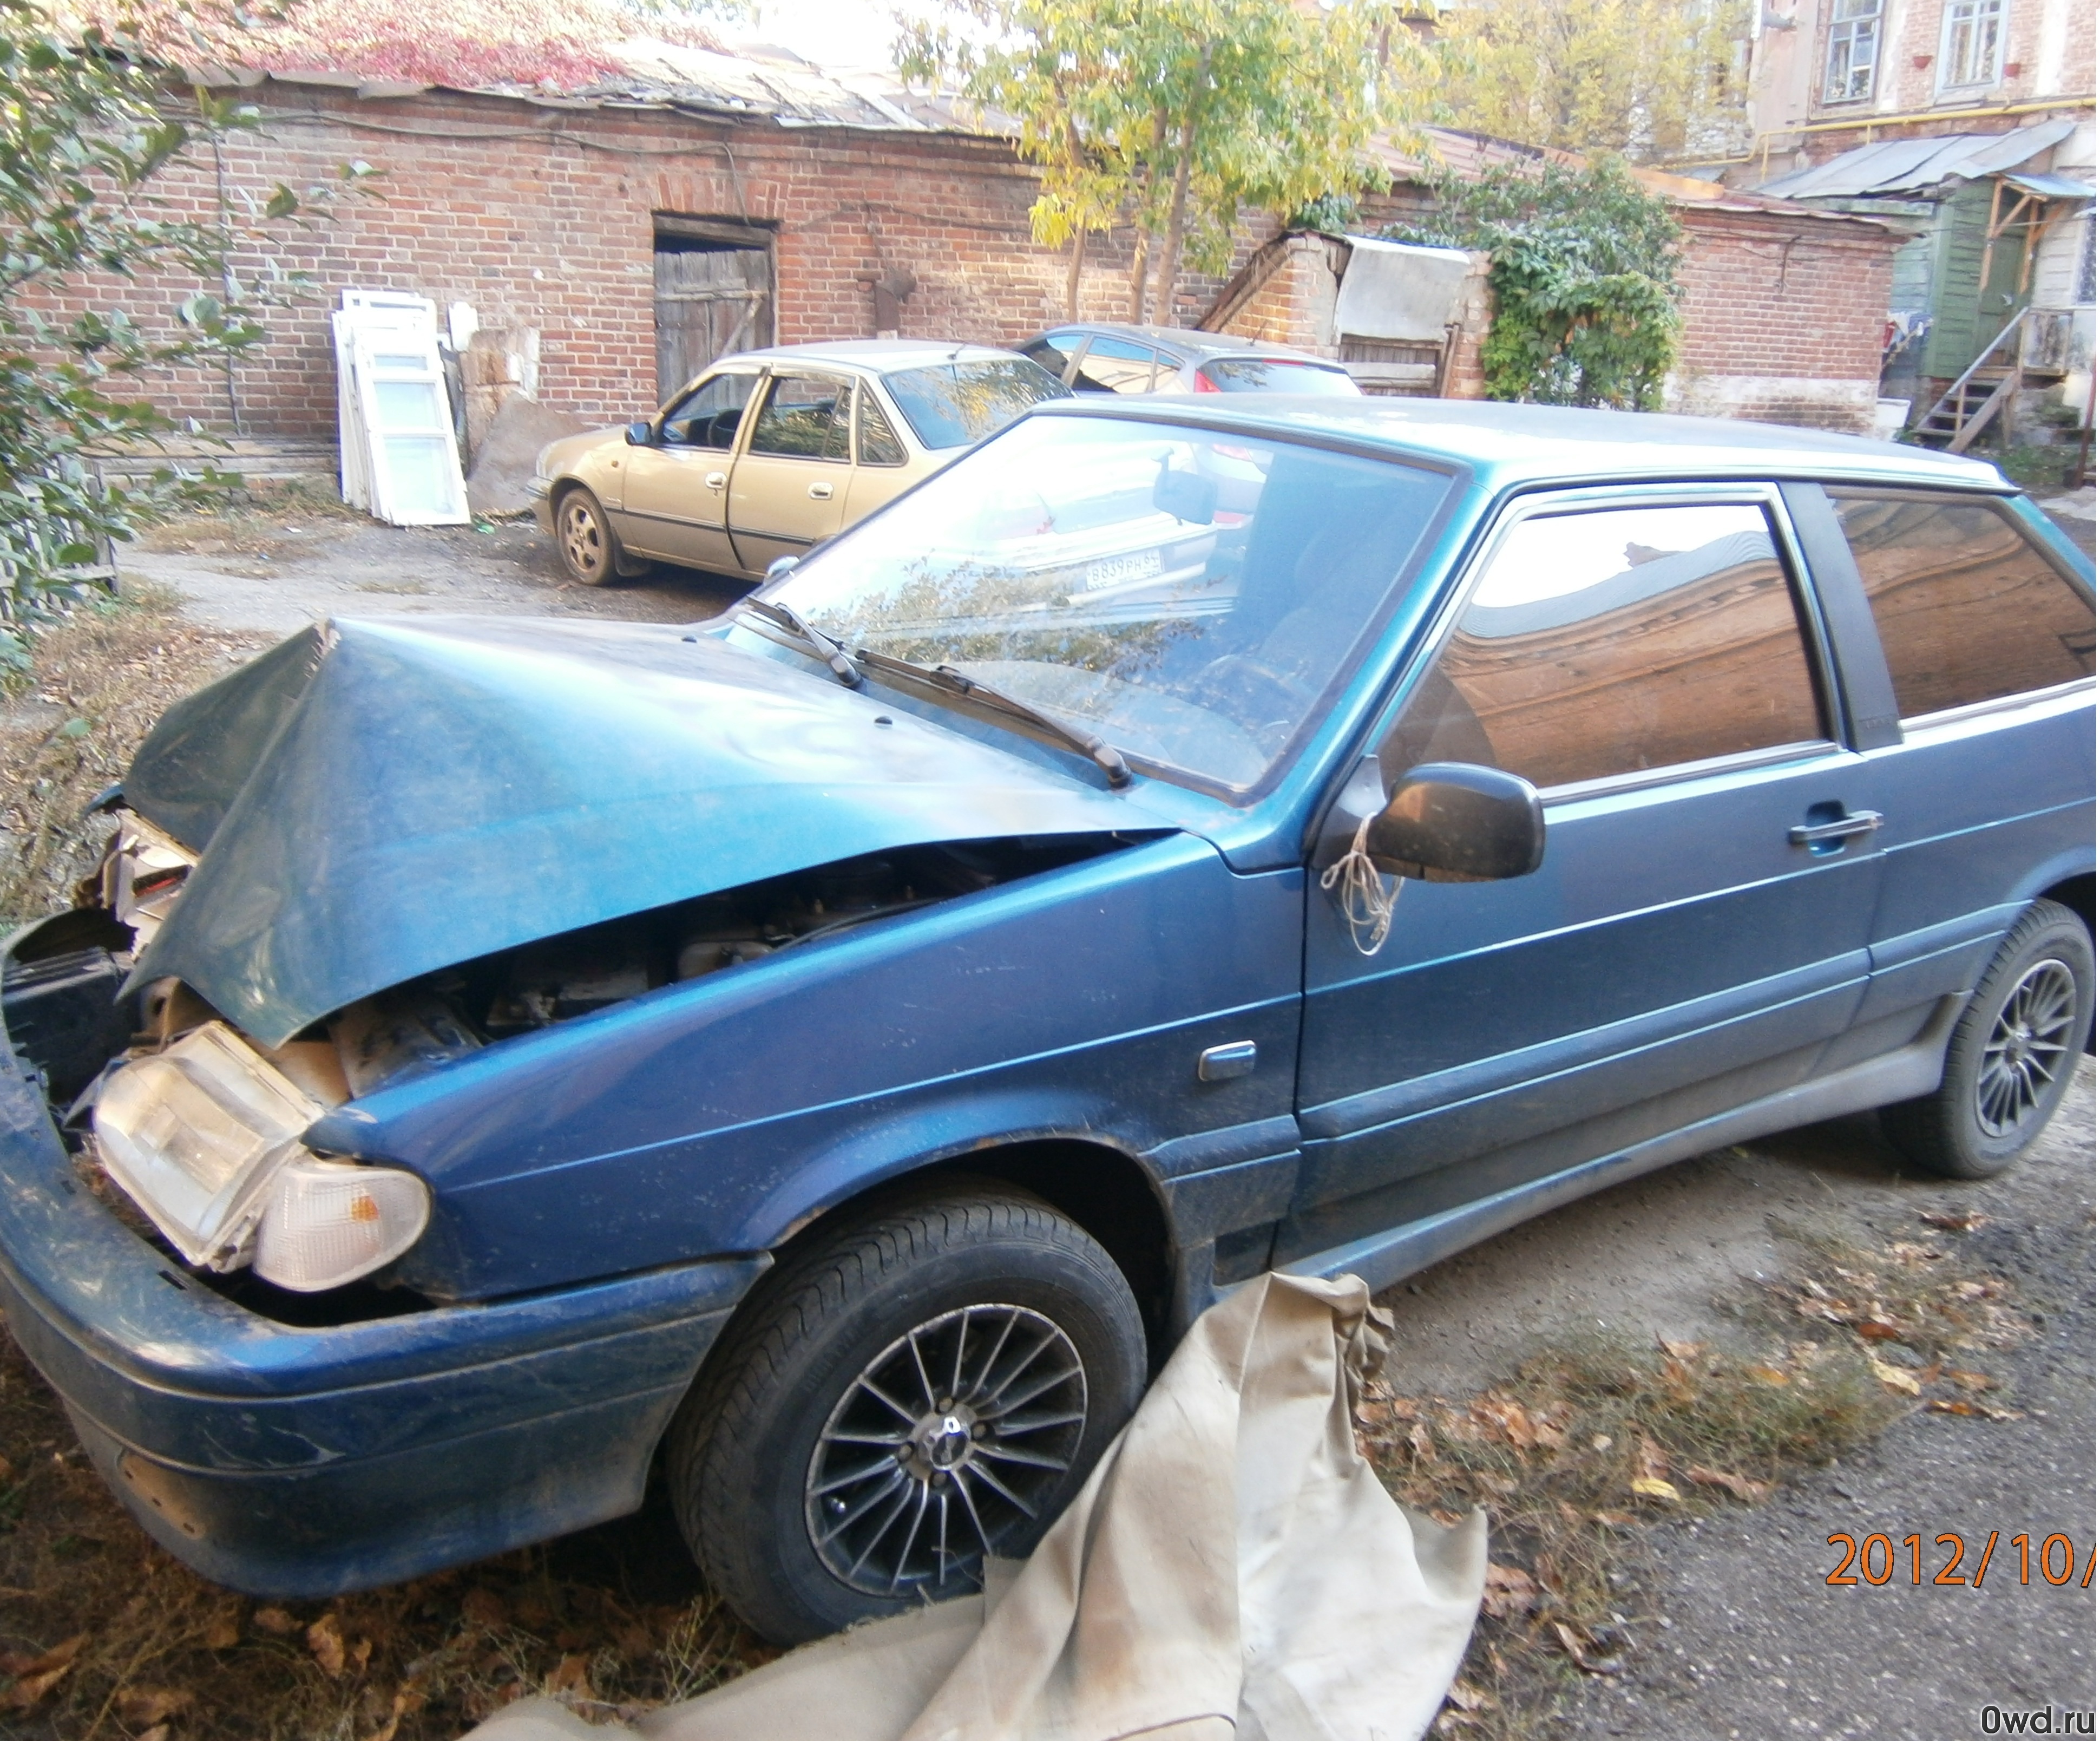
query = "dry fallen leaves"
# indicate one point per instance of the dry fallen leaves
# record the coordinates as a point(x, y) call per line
point(222, 1631)
point(36, 1676)
point(1895, 1377)
point(1954, 1220)
point(1511, 1592)
point(1467, 1697)
point(324, 1639)
point(1577, 1648)
point(1957, 1405)
point(482, 1606)
point(1653, 1486)
point(275, 1620)
point(148, 1706)
point(1749, 1491)
point(570, 1675)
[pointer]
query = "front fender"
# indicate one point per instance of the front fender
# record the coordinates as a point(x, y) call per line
point(718, 1115)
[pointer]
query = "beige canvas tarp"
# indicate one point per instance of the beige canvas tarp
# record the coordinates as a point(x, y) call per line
point(1231, 1571)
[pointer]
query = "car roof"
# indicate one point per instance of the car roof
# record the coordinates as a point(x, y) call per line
point(1188, 339)
point(1507, 445)
point(876, 356)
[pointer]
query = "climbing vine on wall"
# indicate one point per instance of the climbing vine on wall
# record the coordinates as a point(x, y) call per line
point(1584, 269)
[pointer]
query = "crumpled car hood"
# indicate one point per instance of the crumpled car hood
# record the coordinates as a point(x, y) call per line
point(377, 800)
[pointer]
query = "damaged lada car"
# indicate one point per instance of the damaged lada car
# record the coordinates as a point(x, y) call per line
point(822, 1057)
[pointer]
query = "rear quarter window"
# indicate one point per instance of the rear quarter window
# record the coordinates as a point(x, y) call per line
point(1970, 610)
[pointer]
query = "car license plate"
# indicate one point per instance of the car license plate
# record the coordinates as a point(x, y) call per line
point(1112, 570)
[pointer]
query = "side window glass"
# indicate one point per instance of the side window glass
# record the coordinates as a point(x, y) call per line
point(1115, 365)
point(708, 416)
point(804, 417)
point(1054, 352)
point(1967, 609)
point(1609, 642)
point(878, 445)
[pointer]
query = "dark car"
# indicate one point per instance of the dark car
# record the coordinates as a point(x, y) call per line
point(833, 1051)
point(1106, 357)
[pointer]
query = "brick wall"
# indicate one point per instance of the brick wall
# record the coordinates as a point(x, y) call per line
point(541, 216)
point(1784, 317)
point(2047, 52)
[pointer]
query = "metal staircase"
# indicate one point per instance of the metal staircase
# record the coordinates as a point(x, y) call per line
point(1960, 414)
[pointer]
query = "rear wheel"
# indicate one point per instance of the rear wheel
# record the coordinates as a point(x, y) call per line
point(926, 1386)
point(2011, 1055)
point(583, 537)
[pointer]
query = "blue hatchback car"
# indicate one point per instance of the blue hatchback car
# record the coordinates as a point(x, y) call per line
point(830, 1053)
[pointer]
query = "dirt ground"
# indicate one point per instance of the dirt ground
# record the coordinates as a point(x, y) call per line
point(274, 570)
point(1710, 1617)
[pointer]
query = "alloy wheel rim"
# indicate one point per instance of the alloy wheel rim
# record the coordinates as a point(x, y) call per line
point(581, 542)
point(2030, 1040)
point(946, 1448)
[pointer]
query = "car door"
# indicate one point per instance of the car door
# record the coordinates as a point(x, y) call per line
point(674, 501)
point(1650, 660)
point(882, 463)
point(789, 488)
point(1987, 779)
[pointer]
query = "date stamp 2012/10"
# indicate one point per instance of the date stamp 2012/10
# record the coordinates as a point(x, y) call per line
point(1878, 1559)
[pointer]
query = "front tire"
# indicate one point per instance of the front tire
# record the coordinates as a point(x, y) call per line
point(927, 1384)
point(2012, 1053)
point(583, 538)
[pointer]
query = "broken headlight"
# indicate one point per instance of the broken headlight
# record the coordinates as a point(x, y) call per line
point(204, 1139)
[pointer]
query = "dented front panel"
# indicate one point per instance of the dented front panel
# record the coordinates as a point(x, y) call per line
point(380, 800)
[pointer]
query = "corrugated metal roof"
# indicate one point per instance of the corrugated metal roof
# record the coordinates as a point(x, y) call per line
point(2053, 187)
point(1894, 167)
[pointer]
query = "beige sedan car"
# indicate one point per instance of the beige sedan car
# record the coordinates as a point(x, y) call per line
point(771, 452)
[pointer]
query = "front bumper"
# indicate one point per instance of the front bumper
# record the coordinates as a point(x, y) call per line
point(542, 491)
point(293, 1462)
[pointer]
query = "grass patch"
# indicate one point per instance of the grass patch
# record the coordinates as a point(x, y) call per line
point(104, 1637)
point(2038, 469)
point(269, 520)
point(98, 680)
point(1596, 1437)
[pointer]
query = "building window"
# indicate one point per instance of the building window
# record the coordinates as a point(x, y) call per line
point(1975, 40)
point(1855, 45)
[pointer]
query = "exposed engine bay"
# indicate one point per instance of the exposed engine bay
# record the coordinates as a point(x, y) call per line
point(201, 1129)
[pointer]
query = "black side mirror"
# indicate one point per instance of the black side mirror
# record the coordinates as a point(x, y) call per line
point(1187, 496)
point(1453, 816)
point(639, 435)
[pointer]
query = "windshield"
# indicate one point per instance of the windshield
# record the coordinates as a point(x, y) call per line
point(1274, 374)
point(951, 404)
point(1191, 598)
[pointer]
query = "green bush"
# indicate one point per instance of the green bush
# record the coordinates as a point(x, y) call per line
point(1584, 269)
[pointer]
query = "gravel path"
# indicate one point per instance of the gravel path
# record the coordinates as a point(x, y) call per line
point(1757, 1643)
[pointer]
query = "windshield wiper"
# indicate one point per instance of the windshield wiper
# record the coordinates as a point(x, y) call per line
point(1103, 754)
point(787, 616)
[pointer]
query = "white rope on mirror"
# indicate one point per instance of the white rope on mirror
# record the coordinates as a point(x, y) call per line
point(1366, 897)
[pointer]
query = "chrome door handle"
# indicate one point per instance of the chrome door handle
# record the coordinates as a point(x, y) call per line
point(715, 479)
point(820, 492)
point(1814, 833)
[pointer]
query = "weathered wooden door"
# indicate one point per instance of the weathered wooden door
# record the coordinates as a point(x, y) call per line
point(712, 298)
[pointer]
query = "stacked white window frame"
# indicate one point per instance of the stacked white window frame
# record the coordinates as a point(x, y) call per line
point(1856, 49)
point(1972, 42)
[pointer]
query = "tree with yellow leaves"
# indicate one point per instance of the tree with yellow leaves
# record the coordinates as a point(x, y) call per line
point(1653, 79)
